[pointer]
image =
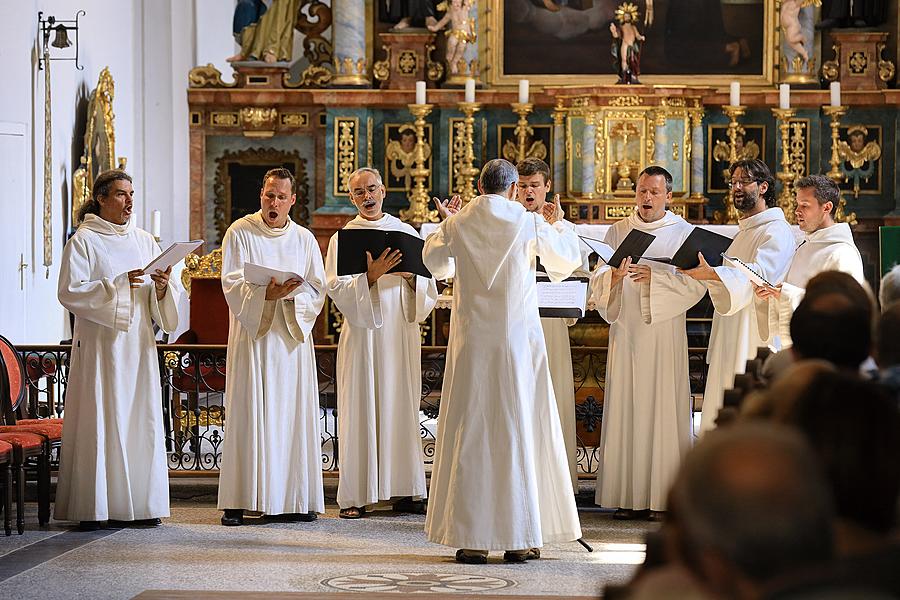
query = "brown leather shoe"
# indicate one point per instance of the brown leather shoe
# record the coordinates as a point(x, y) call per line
point(471, 557)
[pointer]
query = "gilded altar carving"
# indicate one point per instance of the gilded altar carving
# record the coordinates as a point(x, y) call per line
point(346, 133)
point(201, 267)
point(400, 155)
point(207, 76)
point(258, 117)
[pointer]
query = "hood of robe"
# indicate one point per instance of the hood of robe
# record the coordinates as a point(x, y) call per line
point(837, 233)
point(385, 222)
point(667, 219)
point(766, 216)
point(256, 219)
point(104, 227)
point(486, 229)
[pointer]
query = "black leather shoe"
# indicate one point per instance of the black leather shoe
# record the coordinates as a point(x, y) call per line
point(471, 557)
point(629, 514)
point(233, 517)
point(520, 556)
point(141, 523)
point(89, 526)
point(657, 516)
point(408, 505)
point(293, 517)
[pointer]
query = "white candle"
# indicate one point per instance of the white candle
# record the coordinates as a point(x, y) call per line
point(734, 97)
point(523, 91)
point(784, 96)
point(420, 92)
point(835, 89)
point(156, 223)
point(470, 90)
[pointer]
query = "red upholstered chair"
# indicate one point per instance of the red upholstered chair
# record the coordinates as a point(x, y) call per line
point(6, 458)
point(22, 436)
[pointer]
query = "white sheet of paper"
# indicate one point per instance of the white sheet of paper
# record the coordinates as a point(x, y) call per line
point(604, 251)
point(565, 294)
point(260, 275)
point(171, 256)
point(743, 268)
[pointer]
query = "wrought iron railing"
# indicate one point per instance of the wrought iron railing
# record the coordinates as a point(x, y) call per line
point(193, 383)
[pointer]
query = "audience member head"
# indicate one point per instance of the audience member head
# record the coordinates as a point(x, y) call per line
point(534, 183)
point(887, 336)
point(753, 186)
point(499, 177)
point(750, 505)
point(276, 197)
point(776, 401)
point(833, 321)
point(890, 288)
point(653, 193)
point(111, 197)
point(853, 425)
point(817, 200)
point(367, 192)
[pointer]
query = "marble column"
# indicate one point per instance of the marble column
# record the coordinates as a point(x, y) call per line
point(660, 140)
point(588, 150)
point(349, 42)
point(558, 168)
point(697, 152)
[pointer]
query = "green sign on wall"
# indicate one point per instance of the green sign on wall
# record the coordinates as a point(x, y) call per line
point(888, 247)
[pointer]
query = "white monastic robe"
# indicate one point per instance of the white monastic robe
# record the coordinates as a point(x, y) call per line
point(271, 456)
point(646, 427)
point(500, 479)
point(113, 460)
point(379, 378)
point(766, 243)
point(828, 249)
point(559, 356)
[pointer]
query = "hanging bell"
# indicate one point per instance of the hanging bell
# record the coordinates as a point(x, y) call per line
point(61, 40)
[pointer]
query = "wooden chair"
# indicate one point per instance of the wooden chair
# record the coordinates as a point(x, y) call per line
point(33, 442)
point(6, 457)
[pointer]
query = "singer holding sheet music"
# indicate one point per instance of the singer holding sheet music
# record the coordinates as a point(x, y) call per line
point(271, 458)
point(646, 428)
point(106, 471)
point(379, 380)
point(764, 242)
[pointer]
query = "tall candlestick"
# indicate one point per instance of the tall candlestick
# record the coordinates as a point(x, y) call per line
point(734, 96)
point(470, 90)
point(523, 91)
point(420, 92)
point(784, 96)
point(835, 89)
point(156, 224)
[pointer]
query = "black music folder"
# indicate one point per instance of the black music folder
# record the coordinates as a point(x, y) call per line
point(634, 245)
point(353, 244)
point(710, 243)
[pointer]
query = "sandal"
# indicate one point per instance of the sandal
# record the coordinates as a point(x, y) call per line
point(353, 512)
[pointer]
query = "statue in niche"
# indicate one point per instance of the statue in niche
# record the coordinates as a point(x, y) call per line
point(626, 46)
point(410, 13)
point(859, 156)
point(461, 31)
point(401, 155)
point(264, 30)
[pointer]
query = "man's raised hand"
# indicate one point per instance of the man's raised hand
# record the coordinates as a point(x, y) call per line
point(448, 208)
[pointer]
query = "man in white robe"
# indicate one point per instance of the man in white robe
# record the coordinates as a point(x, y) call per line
point(646, 428)
point(379, 378)
point(764, 242)
point(500, 479)
point(534, 185)
point(113, 459)
point(827, 246)
point(271, 456)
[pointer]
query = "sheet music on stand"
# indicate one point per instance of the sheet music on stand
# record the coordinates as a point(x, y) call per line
point(563, 299)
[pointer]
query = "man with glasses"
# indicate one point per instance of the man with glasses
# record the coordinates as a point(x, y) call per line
point(764, 242)
point(379, 380)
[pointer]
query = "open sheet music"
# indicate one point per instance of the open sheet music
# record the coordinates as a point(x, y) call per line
point(260, 275)
point(747, 270)
point(172, 255)
point(564, 299)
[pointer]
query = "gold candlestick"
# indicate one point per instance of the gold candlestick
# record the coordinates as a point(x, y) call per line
point(466, 171)
point(734, 129)
point(418, 211)
point(785, 175)
point(523, 129)
point(836, 175)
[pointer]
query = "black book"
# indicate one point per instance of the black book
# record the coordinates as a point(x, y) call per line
point(634, 245)
point(710, 243)
point(353, 244)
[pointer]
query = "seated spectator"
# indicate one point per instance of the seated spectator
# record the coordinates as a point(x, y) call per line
point(887, 347)
point(890, 288)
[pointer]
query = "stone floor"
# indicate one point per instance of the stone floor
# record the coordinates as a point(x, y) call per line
point(385, 552)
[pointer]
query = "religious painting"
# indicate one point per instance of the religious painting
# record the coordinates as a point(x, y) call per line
point(860, 153)
point(400, 156)
point(576, 41)
point(750, 143)
point(237, 184)
point(538, 143)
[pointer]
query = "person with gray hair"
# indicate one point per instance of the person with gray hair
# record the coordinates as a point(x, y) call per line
point(827, 246)
point(500, 479)
point(751, 506)
point(889, 292)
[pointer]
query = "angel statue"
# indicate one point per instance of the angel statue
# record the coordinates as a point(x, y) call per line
point(401, 155)
point(626, 46)
point(860, 155)
point(461, 31)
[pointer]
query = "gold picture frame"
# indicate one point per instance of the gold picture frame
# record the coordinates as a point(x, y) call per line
point(492, 26)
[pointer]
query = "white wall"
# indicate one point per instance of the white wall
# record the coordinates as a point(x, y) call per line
point(149, 47)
